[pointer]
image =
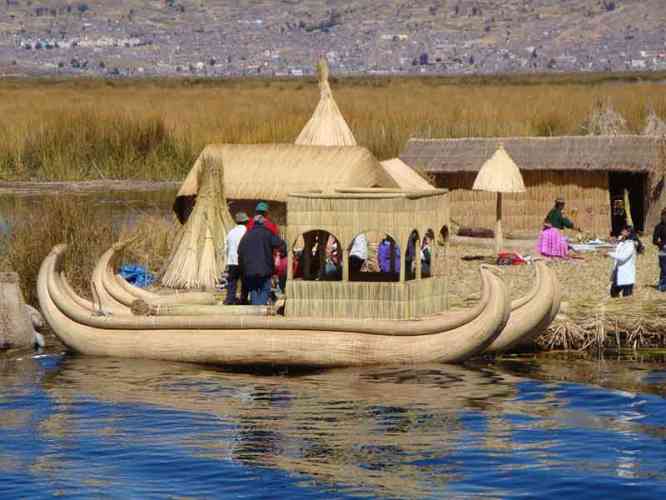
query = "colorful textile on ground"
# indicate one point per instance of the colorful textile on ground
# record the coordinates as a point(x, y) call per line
point(551, 243)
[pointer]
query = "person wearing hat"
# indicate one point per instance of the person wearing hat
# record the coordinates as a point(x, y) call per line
point(659, 240)
point(557, 219)
point(255, 258)
point(262, 209)
point(233, 269)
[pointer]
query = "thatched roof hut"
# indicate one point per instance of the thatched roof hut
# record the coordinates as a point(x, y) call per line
point(586, 170)
point(272, 171)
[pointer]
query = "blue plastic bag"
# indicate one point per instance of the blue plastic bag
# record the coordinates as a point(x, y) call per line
point(136, 275)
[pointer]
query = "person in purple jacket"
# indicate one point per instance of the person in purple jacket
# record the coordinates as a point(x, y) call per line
point(384, 256)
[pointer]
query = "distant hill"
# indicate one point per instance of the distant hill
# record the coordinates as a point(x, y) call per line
point(285, 37)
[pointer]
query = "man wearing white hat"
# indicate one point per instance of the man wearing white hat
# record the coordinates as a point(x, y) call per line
point(233, 269)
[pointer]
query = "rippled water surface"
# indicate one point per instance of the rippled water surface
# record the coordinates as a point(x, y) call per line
point(551, 427)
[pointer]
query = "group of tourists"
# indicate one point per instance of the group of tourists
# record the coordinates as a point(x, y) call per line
point(253, 247)
point(552, 243)
point(388, 255)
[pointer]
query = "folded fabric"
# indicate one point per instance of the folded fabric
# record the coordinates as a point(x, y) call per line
point(136, 275)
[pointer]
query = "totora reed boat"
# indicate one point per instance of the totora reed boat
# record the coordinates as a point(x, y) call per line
point(361, 318)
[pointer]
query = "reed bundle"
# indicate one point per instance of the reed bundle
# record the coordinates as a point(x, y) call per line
point(142, 308)
point(197, 258)
point(327, 126)
point(654, 125)
point(604, 120)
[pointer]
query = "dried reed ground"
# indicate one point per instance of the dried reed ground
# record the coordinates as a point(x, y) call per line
point(588, 318)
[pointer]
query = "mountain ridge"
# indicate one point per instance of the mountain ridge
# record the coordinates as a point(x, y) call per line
point(285, 37)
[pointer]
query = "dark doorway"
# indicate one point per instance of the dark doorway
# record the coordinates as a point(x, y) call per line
point(635, 184)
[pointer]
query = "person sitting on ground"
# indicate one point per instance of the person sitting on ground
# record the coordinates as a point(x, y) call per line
point(358, 253)
point(233, 271)
point(255, 258)
point(551, 242)
point(623, 275)
point(556, 217)
point(262, 209)
point(659, 240)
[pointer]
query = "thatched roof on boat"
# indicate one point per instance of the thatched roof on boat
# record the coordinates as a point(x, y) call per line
point(404, 175)
point(607, 153)
point(327, 126)
point(272, 171)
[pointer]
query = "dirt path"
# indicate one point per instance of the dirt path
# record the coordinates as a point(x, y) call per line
point(29, 188)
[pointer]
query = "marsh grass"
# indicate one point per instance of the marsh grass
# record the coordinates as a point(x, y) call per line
point(74, 221)
point(153, 129)
point(56, 220)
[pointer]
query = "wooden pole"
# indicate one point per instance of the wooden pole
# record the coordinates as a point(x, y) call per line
point(345, 265)
point(498, 225)
point(417, 258)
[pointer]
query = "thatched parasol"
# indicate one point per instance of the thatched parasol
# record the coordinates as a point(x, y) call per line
point(499, 175)
point(327, 126)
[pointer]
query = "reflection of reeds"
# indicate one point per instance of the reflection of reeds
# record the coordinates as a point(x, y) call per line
point(153, 129)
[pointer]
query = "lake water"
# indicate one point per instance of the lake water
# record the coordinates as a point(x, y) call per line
point(552, 427)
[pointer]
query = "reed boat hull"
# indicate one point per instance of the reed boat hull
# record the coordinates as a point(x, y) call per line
point(451, 337)
point(532, 313)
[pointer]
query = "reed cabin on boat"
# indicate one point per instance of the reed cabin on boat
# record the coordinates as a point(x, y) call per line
point(404, 218)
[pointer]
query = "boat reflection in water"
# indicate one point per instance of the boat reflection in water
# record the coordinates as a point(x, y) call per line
point(428, 430)
point(371, 430)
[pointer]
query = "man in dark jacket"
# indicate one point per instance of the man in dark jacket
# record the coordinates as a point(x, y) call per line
point(255, 258)
point(659, 239)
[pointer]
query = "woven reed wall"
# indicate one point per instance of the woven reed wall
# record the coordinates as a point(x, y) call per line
point(338, 299)
point(345, 216)
point(586, 194)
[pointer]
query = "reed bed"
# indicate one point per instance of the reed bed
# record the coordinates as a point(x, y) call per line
point(73, 221)
point(90, 129)
point(589, 318)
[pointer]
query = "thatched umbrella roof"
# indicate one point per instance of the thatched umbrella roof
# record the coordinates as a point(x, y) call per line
point(499, 175)
point(405, 176)
point(327, 126)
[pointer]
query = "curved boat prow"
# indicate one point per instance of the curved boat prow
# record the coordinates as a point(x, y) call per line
point(531, 314)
